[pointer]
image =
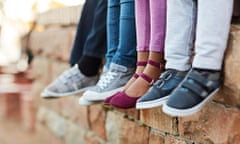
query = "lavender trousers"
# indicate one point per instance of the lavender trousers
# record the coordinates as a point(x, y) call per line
point(150, 24)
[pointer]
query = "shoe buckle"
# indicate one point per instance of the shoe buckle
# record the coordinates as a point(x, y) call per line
point(168, 76)
point(161, 84)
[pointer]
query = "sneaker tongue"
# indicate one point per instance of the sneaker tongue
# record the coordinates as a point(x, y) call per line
point(118, 67)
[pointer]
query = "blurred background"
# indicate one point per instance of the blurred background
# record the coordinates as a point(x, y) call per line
point(17, 17)
point(18, 103)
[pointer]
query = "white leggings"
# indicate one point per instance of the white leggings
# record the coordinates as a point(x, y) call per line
point(205, 21)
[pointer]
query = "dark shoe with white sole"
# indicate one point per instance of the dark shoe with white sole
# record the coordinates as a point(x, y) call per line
point(157, 95)
point(195, 90)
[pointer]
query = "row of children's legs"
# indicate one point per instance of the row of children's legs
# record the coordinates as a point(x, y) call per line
point(149, 56)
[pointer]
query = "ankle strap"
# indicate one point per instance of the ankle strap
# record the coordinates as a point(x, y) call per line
point(135, 75)
point(147, 78)
point(141, 63)
point(153, 63)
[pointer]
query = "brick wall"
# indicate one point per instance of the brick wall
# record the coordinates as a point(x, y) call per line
point(63, 121)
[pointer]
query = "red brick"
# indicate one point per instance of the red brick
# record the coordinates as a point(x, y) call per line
point(156, 119)
point(28, 111)
point(232, 65)
point(214, 124)
point(133, 113)
point(57, 48)
point(44, 136)
point(10, 106)
point(57, 69)
point(172, 140)
point(132, 133)
point(41, 70)
point(97, 117)
point(155, 138)
point(91, 139)
point(71, 110)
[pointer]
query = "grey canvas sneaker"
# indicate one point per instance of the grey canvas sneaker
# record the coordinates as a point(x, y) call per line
point(110, 83)
point(70, 82)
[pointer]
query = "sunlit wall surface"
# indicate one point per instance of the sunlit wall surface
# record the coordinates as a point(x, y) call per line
point(15, 16)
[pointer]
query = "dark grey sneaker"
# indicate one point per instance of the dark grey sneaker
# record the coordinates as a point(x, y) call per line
point(109, 83)
point(196, 89)
point(157, 95)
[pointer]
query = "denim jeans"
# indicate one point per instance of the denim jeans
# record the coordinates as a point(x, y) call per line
point(151, 25)
point(206, 21)
point(91, 36)
point(121, 33)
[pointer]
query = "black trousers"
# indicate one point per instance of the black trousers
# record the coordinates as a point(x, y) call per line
point(90, 39)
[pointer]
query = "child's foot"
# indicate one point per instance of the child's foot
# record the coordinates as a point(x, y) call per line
point(140, 67)
point(110, 82)
point(158, 93)
point(195, 90)
point(127, 98)
point(70, 82)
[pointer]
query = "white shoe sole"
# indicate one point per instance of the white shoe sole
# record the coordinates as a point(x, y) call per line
point(152, 104)
point(186, 112)
point(85, 102)
point(48, 94)
point(95, 96)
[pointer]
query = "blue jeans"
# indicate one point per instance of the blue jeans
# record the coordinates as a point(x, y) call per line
point(91, 36)
point(121, 33)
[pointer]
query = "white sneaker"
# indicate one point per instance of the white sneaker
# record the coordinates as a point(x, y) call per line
point(70, 82)
point(110, 82)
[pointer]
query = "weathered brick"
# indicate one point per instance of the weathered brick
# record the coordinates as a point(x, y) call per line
point(155, 138)
point(232, 66)
point(28, 111)
point(131, 113)
point(53, 42)
point(132, 133)
point(113, 124)
point(44, 136)
point(10, 106)
point(156, 119)
point(56, 124)
point(97, 117)
point(60, 16)
point(71, 110)
point(172, 140)
point(41, 69)
point(74, 134)
point(215, 123)
point(58, 68)
point(90, 138)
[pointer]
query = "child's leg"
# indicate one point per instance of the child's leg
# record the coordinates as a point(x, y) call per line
point(126, 48)
point(179, 38)
point(113, 13)
point(212, 33)
point(128, 98)
point(204, 80)
point(181, 15)
point(143, 35)
point(157, 21)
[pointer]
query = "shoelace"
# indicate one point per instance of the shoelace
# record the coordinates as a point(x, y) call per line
point(106, 79)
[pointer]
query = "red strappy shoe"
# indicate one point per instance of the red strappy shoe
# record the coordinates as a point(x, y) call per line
point(139, 63)
point(122, 100)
